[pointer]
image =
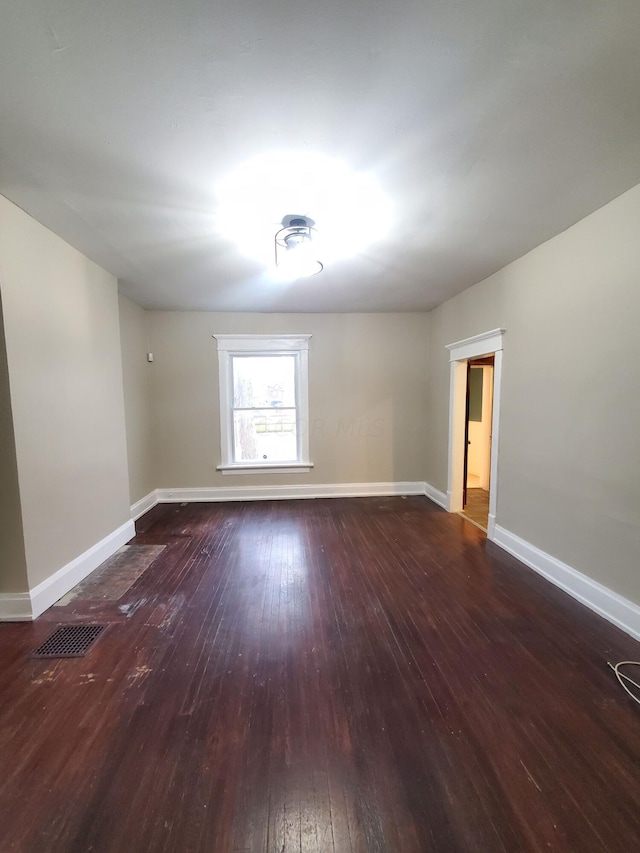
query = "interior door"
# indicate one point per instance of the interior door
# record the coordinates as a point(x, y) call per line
point(466, 441)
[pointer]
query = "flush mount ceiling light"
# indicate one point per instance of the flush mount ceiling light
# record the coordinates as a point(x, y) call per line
point(354, 211)
point(295, 257)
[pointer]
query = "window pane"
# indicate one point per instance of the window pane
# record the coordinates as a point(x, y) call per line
point(264, 381)
point(266, 435)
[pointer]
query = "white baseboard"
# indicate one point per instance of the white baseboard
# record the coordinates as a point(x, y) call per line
point(289, 492)
point(604, 601)
point(436, 496)
point(491, 527)
point(146, 503)
point(25, 606)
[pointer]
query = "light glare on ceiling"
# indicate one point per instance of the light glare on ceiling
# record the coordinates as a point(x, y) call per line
point(351, 209)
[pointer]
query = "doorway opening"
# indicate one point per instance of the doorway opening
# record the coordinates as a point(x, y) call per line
point(476, 483)
point(464, 357)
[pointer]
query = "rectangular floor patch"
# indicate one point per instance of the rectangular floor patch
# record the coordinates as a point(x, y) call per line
point(112, 579)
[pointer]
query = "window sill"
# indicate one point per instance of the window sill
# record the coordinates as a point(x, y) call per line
point(280, 468)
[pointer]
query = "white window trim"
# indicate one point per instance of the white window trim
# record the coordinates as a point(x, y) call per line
point(230, 345)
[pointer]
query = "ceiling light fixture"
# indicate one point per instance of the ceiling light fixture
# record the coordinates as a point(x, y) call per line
point(354, 211)
point(295, 256)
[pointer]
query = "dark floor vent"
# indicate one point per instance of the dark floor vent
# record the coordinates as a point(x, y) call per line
point(69, 641)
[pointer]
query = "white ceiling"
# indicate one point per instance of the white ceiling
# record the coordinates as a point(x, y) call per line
point(491, 125)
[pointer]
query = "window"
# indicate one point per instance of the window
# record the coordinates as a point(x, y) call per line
point(264, 414)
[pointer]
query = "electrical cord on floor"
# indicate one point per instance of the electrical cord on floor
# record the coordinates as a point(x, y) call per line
point(621, 675)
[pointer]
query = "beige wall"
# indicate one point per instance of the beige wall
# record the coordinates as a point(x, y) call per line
point(63, 351)
point(13, 564)
point(136, 377)
point(367, 385)
point(569, 463)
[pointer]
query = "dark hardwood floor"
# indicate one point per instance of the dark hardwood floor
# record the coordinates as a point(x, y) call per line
point(329, 675)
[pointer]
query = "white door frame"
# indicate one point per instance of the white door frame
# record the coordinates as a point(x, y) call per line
point(459, 353)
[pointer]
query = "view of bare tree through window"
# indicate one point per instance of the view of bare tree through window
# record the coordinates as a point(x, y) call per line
point(264, 408)
point(244, 436)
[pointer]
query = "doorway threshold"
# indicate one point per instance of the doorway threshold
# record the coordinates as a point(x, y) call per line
point(476, 508)
point(477, 524)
